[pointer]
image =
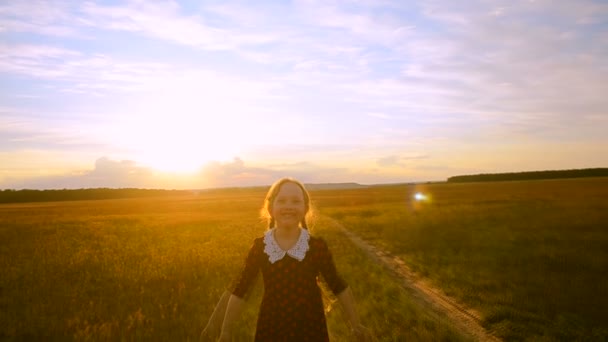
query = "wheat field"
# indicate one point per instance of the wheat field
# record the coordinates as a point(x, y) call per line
point(530, 257)
point(153, 269)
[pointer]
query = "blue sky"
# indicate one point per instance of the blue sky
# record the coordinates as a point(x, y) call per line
point(194, 94)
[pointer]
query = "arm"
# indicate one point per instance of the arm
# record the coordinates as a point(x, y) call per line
point(342, 291)
point(347, 301)
point(349, 308)
point(229, 304)
point(233, 311)
point(214, 326)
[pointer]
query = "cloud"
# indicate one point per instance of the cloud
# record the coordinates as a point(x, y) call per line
point(526, 70)
point(41, 61)
point(112, 173)
point(159, 19)
point(78, 72)
point(125, 169)
point(399, 161)
point(106, 173)
point(129, 174)
point(366, 22)
point(327, 82)
point(165, 20)
point(51, 18)
point(237, 173)
point(388, 161)
point(379, 115)
point(27, 130)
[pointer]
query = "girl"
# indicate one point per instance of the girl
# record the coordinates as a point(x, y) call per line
point(290, 260)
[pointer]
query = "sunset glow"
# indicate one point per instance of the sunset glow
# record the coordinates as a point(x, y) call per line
point(214, 94)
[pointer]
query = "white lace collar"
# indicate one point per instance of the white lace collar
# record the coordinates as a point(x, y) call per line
point(275, 253)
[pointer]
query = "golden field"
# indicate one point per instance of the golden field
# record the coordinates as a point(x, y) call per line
point(529, 256)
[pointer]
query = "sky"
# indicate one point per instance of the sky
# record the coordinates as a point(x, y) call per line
point(198, 94)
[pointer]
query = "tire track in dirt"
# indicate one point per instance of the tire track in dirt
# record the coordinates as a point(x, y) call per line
point(467, 321)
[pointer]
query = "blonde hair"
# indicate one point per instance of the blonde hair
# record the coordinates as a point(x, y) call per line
point(266, 211)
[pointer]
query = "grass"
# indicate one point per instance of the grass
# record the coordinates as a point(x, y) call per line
point(382, 303)
point(126, 269)
point(530, 256)
point(153, 269)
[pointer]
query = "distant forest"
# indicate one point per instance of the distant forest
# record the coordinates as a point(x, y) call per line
point(21, 196)
point(29, 195)
point(531, 175)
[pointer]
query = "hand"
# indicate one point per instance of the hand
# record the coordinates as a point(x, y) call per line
point(209, 334)
point(362, 333)
point(225, 337)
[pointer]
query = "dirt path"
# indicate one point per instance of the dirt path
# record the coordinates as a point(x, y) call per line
point(465, 320)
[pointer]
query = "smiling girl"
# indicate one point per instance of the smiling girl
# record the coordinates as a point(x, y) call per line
point(290, 260)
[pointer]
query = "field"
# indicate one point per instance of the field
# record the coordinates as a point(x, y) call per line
point(529, 256)
point(153, 269)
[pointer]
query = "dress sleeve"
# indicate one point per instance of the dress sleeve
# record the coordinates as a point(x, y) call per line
point(328, 269)
point(249, 271)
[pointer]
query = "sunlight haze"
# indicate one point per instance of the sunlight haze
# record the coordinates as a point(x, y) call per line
point(195, 94)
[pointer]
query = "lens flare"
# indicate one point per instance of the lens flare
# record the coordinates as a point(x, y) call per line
point(420, 196)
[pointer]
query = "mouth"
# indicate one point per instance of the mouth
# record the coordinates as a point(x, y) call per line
point(288, 215)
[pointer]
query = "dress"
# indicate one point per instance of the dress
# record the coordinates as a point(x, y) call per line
point(292, 308)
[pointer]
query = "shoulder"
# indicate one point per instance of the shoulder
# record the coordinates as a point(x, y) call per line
point(319, 249)
point(316, 239)
point(258, 243)
point(261, 241)
point(317, 243)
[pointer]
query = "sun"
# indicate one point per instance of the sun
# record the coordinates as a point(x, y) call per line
point(187, 122)
point(178, 159)
point(178, 144)
point(183, 150)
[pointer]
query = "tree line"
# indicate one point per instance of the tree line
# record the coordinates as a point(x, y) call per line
point(531, 175)
point(29, 195)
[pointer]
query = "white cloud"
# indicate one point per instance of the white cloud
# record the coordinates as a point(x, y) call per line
point(222, 79)
point(40, 61)
point(237, 173)
point(399, 160)
point(106, 173)
point(165, 20)
point(379, 115)
point(158, 19)
point(52, 18)
point(77, 72)
point(22, 130)
point(127, 173)
point(495, 70)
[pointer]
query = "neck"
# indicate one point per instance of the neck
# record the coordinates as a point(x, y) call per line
point(287, 230)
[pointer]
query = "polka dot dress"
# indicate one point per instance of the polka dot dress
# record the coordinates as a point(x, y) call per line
point(292, 308)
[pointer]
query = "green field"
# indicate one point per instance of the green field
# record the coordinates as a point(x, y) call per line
point(529, 256)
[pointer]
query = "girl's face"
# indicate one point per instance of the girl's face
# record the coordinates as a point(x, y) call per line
point(289, 207)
